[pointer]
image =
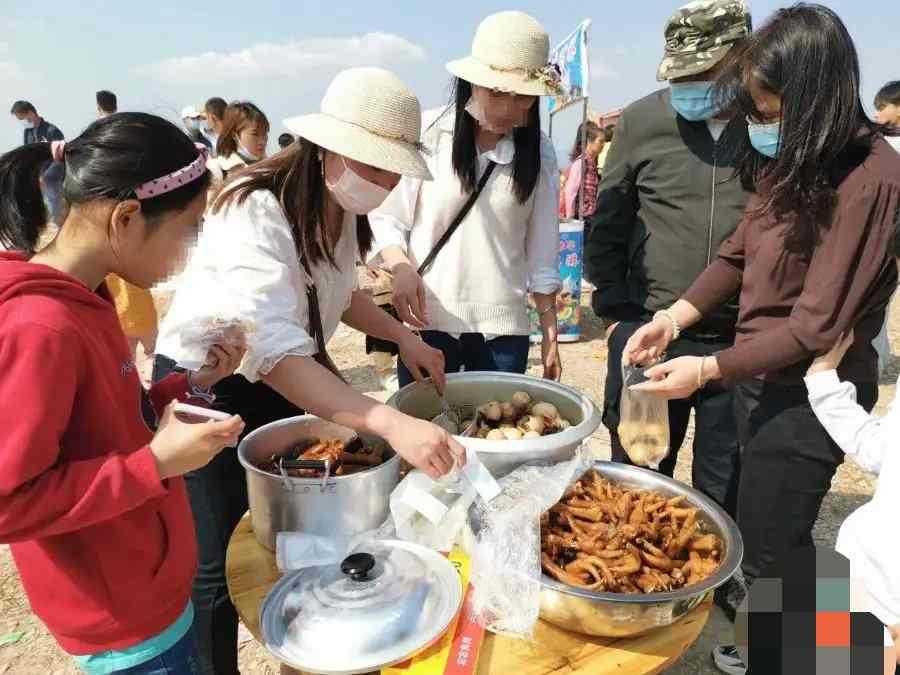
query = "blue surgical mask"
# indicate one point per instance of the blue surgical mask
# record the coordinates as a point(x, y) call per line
point(694, 101)
point(766, 138)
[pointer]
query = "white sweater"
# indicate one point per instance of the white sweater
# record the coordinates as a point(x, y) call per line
point(480, 281)
point(868, 538)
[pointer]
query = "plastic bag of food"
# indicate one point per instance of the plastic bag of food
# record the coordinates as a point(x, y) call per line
point(504, 543)
point(643, 422)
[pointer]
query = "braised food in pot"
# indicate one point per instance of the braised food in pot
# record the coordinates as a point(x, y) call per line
point(606, 538)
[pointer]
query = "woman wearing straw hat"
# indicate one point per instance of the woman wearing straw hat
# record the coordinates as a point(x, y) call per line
point(467, 293)
point(278, 259)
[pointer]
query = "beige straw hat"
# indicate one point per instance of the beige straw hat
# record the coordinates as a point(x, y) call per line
point(371, 116)
point(509, 54)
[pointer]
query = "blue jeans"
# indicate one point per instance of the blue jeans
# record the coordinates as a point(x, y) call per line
point(505, 354)
point(181, 659)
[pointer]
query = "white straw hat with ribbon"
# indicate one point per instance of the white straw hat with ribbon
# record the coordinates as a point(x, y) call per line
point(371, 116)
point(510, 54)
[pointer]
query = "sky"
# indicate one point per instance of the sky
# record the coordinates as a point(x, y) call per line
point(161, 56)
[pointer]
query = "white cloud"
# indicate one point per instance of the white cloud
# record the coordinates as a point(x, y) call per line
point(287, 60)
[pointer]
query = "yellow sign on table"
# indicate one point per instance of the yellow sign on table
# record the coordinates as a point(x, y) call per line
point(456, 653)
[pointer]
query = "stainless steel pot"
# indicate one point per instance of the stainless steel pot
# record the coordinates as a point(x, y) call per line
point(623, 615)
point(340, 506)
point(502, 457)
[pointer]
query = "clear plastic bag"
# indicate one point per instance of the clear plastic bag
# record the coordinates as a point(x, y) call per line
point(643, 422)
point(504, 544)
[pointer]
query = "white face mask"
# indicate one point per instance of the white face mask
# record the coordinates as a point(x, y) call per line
point(355, 194)
point(26, 123)
point(246, 154)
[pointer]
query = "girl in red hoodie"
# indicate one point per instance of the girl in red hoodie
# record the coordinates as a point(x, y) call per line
point(92, 502)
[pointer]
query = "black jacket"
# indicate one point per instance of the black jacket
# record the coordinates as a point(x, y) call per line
point(668, 199)
point(44, 133)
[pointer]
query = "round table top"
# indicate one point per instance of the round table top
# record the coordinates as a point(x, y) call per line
point(251, 573)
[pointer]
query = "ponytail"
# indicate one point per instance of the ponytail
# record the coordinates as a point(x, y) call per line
point(110, 160)
point(23, 215)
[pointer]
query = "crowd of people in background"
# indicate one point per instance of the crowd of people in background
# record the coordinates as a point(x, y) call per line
point(738, 221)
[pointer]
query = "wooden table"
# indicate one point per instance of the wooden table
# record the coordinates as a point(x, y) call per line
point(252, 572)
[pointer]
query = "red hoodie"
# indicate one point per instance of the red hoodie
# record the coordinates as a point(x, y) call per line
point(105, 549)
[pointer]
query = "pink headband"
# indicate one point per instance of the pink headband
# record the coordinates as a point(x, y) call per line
point(176, 179)
point(57, 151)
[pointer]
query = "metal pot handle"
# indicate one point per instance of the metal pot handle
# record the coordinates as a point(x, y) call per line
point(323, 465)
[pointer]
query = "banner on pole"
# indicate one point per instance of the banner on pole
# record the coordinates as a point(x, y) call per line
point(571, 59)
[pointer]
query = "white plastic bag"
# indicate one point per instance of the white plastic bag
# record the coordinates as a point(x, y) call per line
point(200, 335)
point(299, 550)
point(505, 546)
point(643, 422)
point(433, 513)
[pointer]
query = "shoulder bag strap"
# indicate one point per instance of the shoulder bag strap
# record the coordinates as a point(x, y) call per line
point(460, 217)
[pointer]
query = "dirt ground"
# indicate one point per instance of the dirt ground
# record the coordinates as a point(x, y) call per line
point(36, 652)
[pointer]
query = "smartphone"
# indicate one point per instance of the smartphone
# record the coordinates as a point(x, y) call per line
point(193, 414)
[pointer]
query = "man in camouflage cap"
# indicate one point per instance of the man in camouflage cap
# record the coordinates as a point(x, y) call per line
point(700, 34)
point(667, 200)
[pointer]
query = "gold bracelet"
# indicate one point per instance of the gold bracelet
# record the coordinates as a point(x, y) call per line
point(700, 382)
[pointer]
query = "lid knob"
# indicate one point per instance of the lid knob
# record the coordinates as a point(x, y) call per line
point(358, 566)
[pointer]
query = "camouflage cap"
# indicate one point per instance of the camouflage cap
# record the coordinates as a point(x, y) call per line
point(700, 34)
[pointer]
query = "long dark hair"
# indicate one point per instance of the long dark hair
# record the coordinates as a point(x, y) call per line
point(588, 131)
point(238, 116)
point(527, 161)
point(295, 176)
point(805, 55)
point(113, 157)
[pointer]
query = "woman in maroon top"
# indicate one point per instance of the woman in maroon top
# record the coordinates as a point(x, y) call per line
point(812, 259)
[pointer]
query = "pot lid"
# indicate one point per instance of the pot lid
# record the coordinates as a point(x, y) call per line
point(384, 603)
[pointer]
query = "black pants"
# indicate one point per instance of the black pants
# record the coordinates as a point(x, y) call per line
point(716, 467)
point(218, 495)
point(787, 463)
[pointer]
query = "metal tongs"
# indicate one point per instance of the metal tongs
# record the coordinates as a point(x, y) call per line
point(451, 416)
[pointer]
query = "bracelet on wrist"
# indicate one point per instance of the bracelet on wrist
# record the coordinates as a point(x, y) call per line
point(199, 392)
point(543, 312)
point(668, 316)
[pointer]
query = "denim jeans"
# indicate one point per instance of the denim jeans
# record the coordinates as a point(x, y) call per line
point(181, 659)
point(218, 495)
point(505, 354)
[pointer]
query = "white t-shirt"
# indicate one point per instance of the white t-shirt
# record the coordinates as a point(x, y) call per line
point(868, 537)
point(245, 267)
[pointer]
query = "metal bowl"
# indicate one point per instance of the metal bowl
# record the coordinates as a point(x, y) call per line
point(341, 506)
point(423, 402)
point(626, 615)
